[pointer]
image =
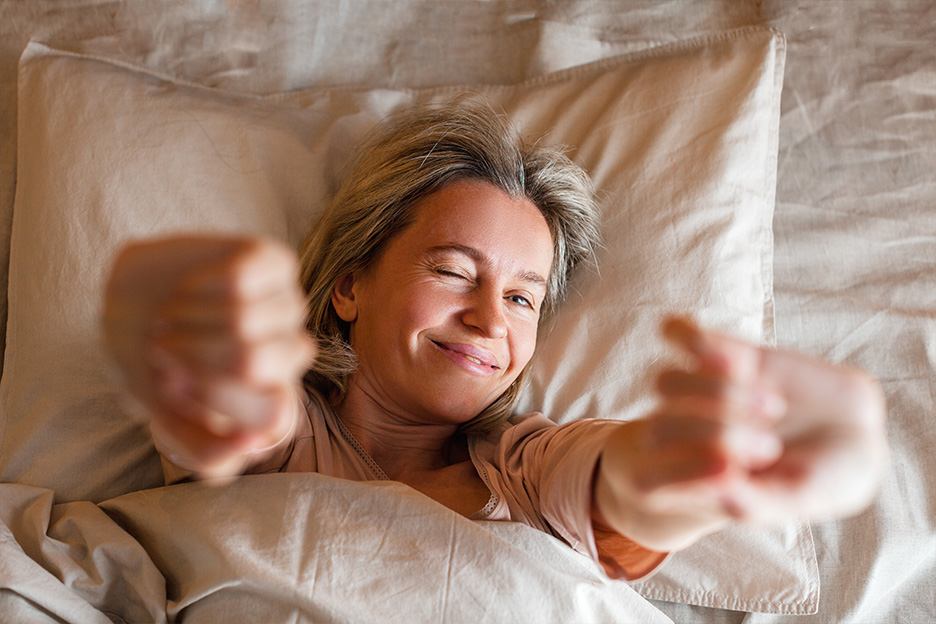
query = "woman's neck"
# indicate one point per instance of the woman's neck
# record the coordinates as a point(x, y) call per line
point(401, 444)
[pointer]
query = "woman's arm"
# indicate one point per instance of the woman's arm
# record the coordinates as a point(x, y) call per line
point(745, 433)
point(209, 335)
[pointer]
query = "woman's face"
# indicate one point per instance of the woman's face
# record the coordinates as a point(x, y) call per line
point(446, 319)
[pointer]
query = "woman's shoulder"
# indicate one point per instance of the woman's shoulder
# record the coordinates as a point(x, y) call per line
point(517, 424)
point(527, 422)
point(536, 421)
point(314, 403)
point(514, 430)
point(522, 429)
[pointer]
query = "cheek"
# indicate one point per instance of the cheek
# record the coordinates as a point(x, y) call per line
point(429, 303)
point(523, 344)
point(409, 311)
point(422, 308)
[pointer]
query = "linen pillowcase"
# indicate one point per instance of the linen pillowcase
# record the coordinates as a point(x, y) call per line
point(681, 141)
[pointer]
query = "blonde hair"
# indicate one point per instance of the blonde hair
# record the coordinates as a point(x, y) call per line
point(411, 156)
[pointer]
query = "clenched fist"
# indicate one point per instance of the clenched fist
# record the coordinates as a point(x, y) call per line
point(209, 333)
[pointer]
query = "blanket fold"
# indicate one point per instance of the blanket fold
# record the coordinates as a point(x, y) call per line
point(289, 548)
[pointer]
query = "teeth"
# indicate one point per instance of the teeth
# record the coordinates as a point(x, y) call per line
point(472, 359)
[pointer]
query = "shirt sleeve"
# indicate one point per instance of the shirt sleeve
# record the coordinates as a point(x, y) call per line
point(546, 472)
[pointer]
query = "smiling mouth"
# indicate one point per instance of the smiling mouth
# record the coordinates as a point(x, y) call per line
point(467, 356)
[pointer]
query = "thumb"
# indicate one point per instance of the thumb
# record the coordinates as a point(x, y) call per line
point(712, 352)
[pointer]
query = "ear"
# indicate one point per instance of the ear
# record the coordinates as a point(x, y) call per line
point(342, 298)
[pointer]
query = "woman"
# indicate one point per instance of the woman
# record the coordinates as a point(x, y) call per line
point(448, 243)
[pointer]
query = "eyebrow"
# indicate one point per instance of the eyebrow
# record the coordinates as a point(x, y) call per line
point(526, 276)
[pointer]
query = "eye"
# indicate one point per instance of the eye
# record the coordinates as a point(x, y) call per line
point(521, 300)
point(450, 271)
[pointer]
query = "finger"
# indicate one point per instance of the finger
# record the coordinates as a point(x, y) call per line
point(278, 313)
point(225, 409)
point(251, 270)
point(704, 408)
point(752, 447)
point(767, 500)
point(195, 448)
point(674, 427)
point(714, 353)
point(815, 479)
point(266, 410)
point(679, 465)
point(217, 458)
point(748, 401)
point(213, 452)
point(747, 445)
point(685, 334)
point(275, 360)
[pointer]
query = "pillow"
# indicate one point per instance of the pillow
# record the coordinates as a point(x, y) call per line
point(681, 141)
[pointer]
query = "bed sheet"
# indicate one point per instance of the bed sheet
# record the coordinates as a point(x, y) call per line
point(312, 549)
point(855, 222)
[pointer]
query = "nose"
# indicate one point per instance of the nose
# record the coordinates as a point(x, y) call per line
point(485, 312)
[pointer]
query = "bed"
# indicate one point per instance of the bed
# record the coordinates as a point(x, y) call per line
point(769, 167)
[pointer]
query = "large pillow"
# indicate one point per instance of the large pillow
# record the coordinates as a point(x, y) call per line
point(681, 141)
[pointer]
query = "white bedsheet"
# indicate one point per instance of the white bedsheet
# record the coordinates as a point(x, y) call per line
point(291, 548)
point(855, 223)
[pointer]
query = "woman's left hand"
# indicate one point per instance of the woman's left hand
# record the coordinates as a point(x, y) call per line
point(745, 433)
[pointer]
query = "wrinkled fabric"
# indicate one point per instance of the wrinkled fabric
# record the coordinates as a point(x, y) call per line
point(71, 563)
point(854, 225)
point(289, 548)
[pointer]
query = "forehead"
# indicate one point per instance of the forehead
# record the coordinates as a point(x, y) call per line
point(507, 230)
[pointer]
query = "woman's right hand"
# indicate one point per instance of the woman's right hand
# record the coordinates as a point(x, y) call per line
point(209, 333)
